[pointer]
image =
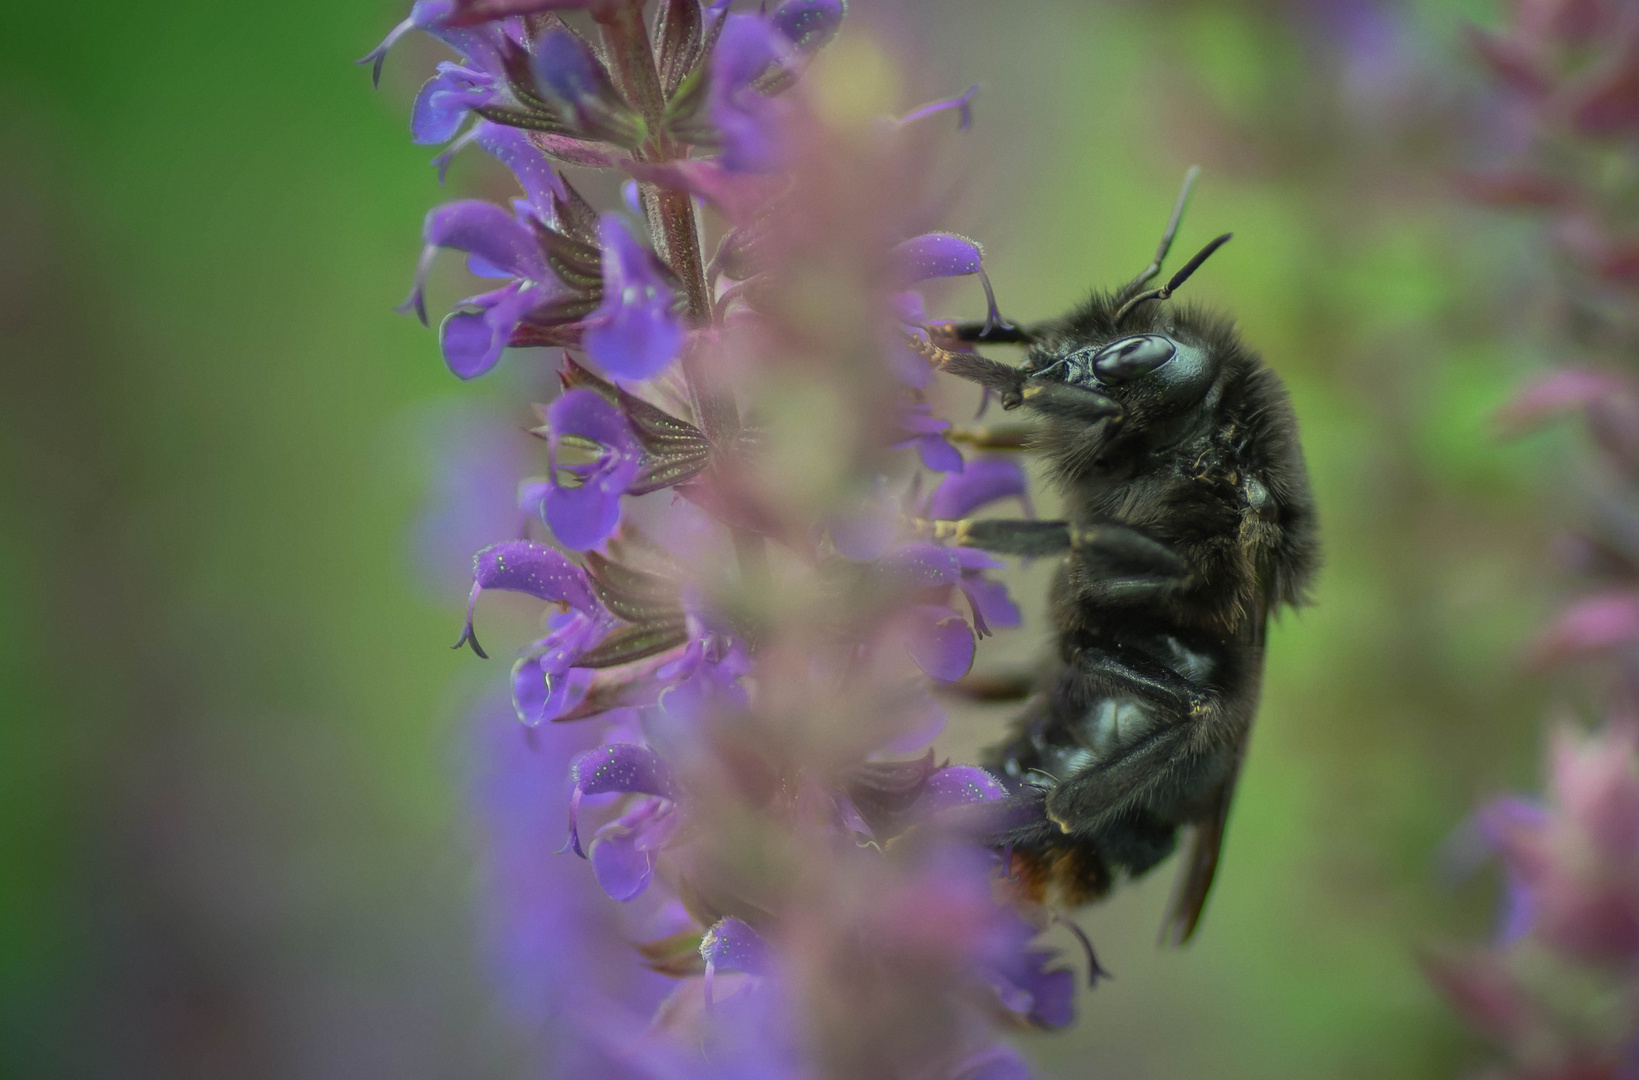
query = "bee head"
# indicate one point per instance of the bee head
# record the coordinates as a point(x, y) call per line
point(1154, 373)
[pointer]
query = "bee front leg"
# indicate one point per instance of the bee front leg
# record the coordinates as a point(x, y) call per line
point(1003, 536)
point(981, 332)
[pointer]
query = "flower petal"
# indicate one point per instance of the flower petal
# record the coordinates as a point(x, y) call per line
point(1594, 623)
point(732, 945)
point(958, 785)
point(515, 149)
point(636, 333)
point(622, 870)
point(980, 483)
point(615, 767)
point(808, 24)
point(473, 336)
point(585, 516)
point(940, 642)
point(937, 255)
point(540, 694)
point(442, 104)
point(520, 566)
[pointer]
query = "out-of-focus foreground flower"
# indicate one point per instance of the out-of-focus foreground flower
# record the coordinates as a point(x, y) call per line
point(1559, 989)
point(727, 706)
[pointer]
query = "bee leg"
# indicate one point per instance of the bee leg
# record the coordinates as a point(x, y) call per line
point(1068, 402)
point(1107, 545)
point(984, 332)
point(1016, 685)
point(994, 437)
point(1094, 800)
point(1006, 537)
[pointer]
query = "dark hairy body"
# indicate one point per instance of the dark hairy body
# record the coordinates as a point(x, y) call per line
point(1188, 522)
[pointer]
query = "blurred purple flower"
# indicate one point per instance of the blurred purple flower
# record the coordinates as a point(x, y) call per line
point(747, 120)
point(978, 484)
point(962, 103)
point(918, 426)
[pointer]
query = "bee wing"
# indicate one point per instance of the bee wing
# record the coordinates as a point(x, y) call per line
point(1201, 863)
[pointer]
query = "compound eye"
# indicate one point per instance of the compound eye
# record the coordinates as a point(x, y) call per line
point(1132, 357)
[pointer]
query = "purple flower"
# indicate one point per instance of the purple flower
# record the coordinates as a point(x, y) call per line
point(444, 100)
point(584, 516)
point(479, 46)
point(625, 768)
point(474, 334)
point(747, 120)
point(940, 641)
point(573, 79)
point(623, 850)
point(958, 785)
point(918, 426)
point(808, 24)
point(926, 566)
point(545, 682)
point(517, 151)
point(732, 945)
point(979, 483)
point(940, 255)
point(520, 566)
point(634, 333)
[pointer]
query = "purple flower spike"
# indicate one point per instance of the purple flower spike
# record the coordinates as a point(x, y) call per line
point(940, 642)
point(636, 334)
point(808, 24)
point(583, 517)
point(958, 785)
point(982, 482)
point(520, 566)
point(617, 767)
point(963, 104)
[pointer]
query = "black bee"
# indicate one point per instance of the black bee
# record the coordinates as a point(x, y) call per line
point(1189, 520)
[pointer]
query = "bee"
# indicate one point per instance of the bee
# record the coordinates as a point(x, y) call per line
point(1188, 522)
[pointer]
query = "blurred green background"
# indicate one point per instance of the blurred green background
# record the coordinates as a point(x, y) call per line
point(233, 828)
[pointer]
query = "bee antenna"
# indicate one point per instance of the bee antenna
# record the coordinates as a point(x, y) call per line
point(1154, 267)
point(1176, 280)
